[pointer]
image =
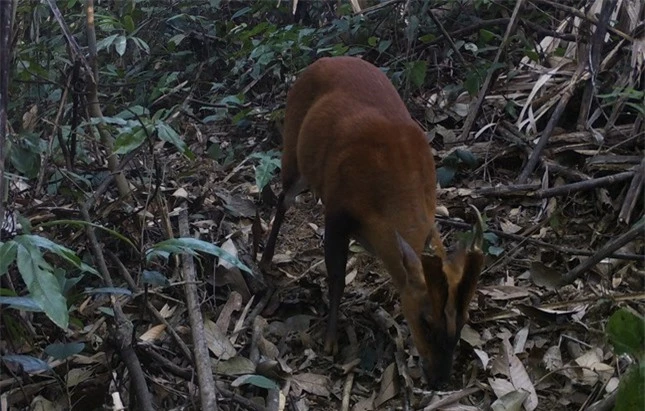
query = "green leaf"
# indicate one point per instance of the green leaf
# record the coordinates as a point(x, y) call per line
point(155, 278)
point(26, 363)
point(7, 256)
point(128, 23)
point(472, 83)
point(42, 284)
point(62, 351)
point(192, 246)
point(167, 133)
point(631, 394)
point(61, 251)
point(119, 45)
point(384, 45)
point(626, 331)
point(106, 42)
point(265, 170)
point(127, 142)
point(467, 157)
point(486, 35)
point(22, 303)
point(495, 250)
point(445, 175)
point(257, 380)
point(417, 72)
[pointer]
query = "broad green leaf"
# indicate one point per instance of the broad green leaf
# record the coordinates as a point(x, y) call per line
point(256, 380)
point(21, 303)
point(384, 45)
point(42, 284)
point(265, 171)
point(61, 251)
point(128, 23)
point(106, 42)
point(445, 175)
point(7, 256)
point(626, 331)
point(495, 250)
point(127, 142)
point(177, 38)
point(167, 133)
point(120, 44)
point(155, 278)
point(192, 246)
point(631, 391)
point(62, 351)
point(25, 363)
point(467, 157)
point(417, 72)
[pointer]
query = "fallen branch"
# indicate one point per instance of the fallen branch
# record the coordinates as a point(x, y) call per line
point(582, 185)
point(565, 250)
point(633, 194)
point(202, 358)
point(517, 190)
point(637, 230)
point(526, 190)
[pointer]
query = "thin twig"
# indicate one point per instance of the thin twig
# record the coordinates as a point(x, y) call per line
point(202, 358)
point(122, 337)
point(567, 93)
point(123, 271)
point(447, 36)
point(637, 230)
point(474, 110)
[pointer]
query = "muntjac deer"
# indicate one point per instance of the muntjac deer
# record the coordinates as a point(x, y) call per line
point(349, 137)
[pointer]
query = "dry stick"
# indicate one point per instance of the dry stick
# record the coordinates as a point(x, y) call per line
point(452, 398)
point(523, 190)
point(5, 59)
point(123, 271)
point(587, 185)
point(202, 359)
point(474, 110)
point(637, 230)
point(447, 36)
point(386, 322)
point(347, 391)
point(94, 107)
point(507, 191)
point(606, 404)
point(124, 330)
point(579, 75)
point(567, 173)
point(580, 14)
point(633, 194)
point(566, 250)
point(595, 52)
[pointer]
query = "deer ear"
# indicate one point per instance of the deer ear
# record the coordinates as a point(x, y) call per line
point(409, 259)
point(473, 263)
point(436, 283)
